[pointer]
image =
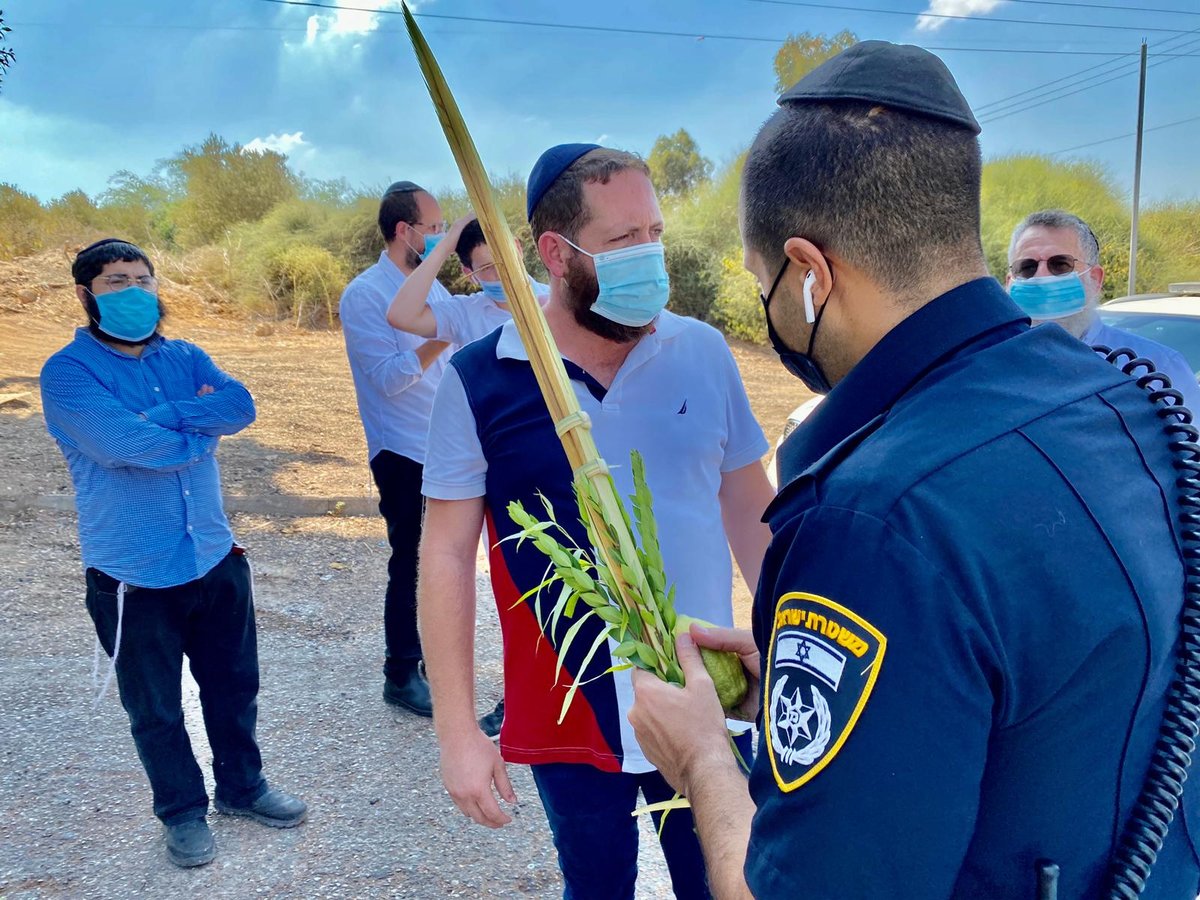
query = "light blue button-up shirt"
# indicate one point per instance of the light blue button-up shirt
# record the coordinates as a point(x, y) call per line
point(394, 395)
point(140, 444)
point(1167, 360)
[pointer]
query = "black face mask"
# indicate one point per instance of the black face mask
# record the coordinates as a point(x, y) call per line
point(802, 365)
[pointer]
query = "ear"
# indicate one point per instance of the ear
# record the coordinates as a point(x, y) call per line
point(82, 293)
point(806, 257)
point(554, 253)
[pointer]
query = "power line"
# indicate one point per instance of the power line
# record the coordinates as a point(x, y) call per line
point(531, 24)
point(994, 105)
point(840, 7)
point(1133, 9)
point(985, 107)
point(1126, 135)
point(695, 36)
point(573, 27)
point(1016, 108)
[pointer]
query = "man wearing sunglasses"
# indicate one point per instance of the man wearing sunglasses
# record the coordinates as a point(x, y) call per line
point(1054, 274)
point(395, 376)
point(138, 418)
point(460, 318)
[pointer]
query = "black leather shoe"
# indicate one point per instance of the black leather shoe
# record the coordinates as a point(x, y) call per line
point(412, 693)
point(274, 808)
point(490, 723)
point(189, 843)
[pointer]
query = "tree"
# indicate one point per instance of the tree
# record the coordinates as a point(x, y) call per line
point(676, 166)
point(224, 184)
point(801, 53)
point(7, 55)
point(137, 208)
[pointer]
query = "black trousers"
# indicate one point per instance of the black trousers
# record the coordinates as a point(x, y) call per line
point(398, 479)
point(211, 621)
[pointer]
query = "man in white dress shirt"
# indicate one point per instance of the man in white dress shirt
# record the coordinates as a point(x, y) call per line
point(395, 377)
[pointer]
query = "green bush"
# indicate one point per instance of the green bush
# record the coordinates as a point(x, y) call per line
point(738, 310)
point(24, 224)
point(305, 282)
point(695, 277)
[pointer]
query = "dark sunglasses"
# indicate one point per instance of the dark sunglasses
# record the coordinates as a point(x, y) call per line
point(1059, 264)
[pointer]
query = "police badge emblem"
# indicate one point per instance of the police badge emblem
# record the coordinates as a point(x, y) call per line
point(822, 667)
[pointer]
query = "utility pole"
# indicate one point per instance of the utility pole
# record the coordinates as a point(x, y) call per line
point(1137, 175)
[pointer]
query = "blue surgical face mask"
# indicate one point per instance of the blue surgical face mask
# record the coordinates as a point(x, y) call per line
point(634, 287)
point(431, 241)
point(493, 289)
point(1049, 296)
point(130, 314)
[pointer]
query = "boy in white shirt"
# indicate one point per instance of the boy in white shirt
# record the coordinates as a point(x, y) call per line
point(460, 318)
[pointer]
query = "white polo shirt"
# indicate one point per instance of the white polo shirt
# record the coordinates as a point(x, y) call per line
point(678, 399)
point(462, 318)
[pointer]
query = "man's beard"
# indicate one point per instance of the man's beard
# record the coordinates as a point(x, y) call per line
point(582, 291)
point(412, 258)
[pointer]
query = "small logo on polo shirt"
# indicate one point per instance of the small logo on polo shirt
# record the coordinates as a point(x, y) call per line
point(682, 409)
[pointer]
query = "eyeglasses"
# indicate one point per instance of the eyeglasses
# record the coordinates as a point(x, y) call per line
point(120, 282)
point(1059, 264)
point(474, 273)
point(438, 227)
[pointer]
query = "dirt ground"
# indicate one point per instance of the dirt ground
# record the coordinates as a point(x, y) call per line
point(74, 807)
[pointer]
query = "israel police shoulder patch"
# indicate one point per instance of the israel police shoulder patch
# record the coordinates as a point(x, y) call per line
point(823, 663)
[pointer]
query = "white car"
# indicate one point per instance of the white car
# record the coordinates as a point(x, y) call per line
point(1172, 318)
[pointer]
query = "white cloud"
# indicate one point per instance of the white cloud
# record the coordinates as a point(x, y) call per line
point(287, 144)
point(953, 8)
point(348, 22)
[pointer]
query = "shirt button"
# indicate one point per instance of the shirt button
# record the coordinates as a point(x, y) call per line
point(156, 390)
point(187, 493)
point(189, 528)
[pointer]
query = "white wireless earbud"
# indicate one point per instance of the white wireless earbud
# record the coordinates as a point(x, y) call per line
point(810, 314)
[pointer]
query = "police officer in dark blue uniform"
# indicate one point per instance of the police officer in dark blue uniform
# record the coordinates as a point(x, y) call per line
point(968, 615)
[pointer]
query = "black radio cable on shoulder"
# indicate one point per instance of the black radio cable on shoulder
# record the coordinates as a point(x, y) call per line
point(1146, 829)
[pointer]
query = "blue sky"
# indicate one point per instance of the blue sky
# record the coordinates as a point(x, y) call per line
point(99, 87)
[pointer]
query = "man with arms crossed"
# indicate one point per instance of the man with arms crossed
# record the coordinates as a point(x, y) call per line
point(138, 418)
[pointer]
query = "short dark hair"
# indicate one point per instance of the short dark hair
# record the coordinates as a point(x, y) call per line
point(890, 192)
point(92, 259)
point(472, 237)
point(398, 205)
point(561, 208)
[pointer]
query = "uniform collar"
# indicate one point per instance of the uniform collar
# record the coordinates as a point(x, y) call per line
point(893, 366)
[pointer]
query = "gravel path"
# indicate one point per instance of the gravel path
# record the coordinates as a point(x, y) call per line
point(75, 818)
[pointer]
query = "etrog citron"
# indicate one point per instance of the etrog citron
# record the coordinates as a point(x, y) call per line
point(724, 667)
